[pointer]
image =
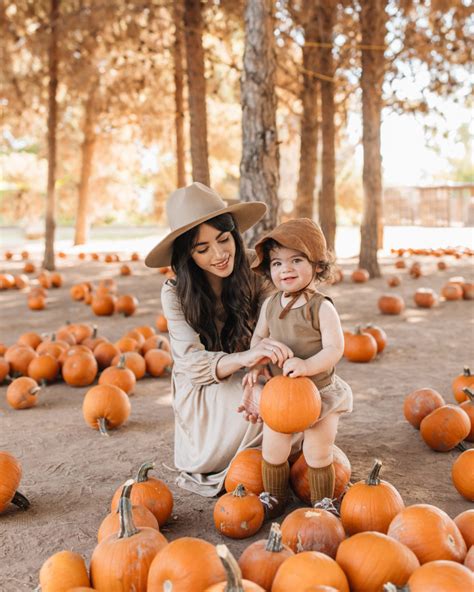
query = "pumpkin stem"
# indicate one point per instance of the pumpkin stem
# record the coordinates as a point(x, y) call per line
point(239, 491)
point(36, 389)
point(357, 330)
point(121, 363)
point(103, 426)
point(389, 587)
point(466, 371)
point(142, 474)
point(469, 392)
point(127, 527)
point(274, 544)
point(234, 575)
point(94, 331)
point(167, 586)
point(373, 478)
point(20, 501)
point(461, 446)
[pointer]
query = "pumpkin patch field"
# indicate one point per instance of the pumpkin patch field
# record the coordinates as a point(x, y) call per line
point(70, 471)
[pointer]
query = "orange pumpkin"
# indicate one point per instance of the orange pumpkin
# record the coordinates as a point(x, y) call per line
point(103, 305)
point(468, 291)
point(150, 492)
point(391, 304)
point(400, 264)
point(104, 353)
point(451, 291)
point(465, 522)
point(29, 267)
point(466, 379)
point(4, 369)
point(245, 468)
point(22, 393)
point(445, 427)
point(234, 579)
point(156, 342)
point(393, 281)
point(146, 330)
point(370, 504)
point(105, 406)
point(126, 344)
point(378, 334)
point(360, 275)
point(126, 305)
point(63, 571)
point(125, 269)
point(429, 532)
point(469, 559)
point(309, 568)
point(445, 576)
point(19, 358)
point(122, 560)
point(239, 514)
point(420, 403)
point(425, 297)
point(161, 323)
point(312, 529)
point(135, 257)
point(79, 369)
point(157, 362)
point(31, 339)
point(370, 559)
point(187, 564)
point(359, 346)
point(468, 407)
point(290, 405)
point(56, 280)
point(36, 302)
point(44, 368)
point(462, 472)
point(415, 270)
point(260, 561)
point(133, 361)
point(10, 477)
point(120, 376)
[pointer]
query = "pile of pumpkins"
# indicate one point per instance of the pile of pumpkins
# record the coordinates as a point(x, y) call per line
point(376, 540)
point(103, 298)
point(445, 427)
point(37, 293)
point(456, 252)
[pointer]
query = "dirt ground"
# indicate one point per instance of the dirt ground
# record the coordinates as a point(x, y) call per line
point(70, 471)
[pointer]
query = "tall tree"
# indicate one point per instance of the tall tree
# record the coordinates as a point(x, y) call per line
point(53, 58)
point(327, 198)
point(259, 174)
point(304, 204)
point(193, 23)
point(373, 25)
point(178, 92)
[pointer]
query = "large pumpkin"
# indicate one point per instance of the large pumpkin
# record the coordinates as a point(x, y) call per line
point(119, 376)
point(290, 405)
point(10, 477)
point(79, 369)
point(239, 514)
point(441, 576)
point(245, 468)
point(462, 474)
point(370, 504)
point(420, 403)
point(105, 406)
point(187, 564)
point(370, 559)
point(63, 571)
point(429, 532)
point(445, 427)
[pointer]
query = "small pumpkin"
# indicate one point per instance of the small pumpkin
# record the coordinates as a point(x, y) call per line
point(19, 358)
point(393, 281)
point(79, 369)
point(105, 406)
point(22, 393)
point(360, 275)
point(290, 405)
point(29, 267)
point(126, 305)
point(425, 297)
point(462, 472)
point(442, 576)
point(56, 280)
point(466, 379)
point(161, 323)
point(400, 264)
point(468, 407)
point(126, 344)
point(125, 269)
point(451, 291)
point(245, 468)
point(4, 369)
point(158, 361)
point(260, 561)
point(120, 376)
point(468, 291)
point(469, 559)
point(122, 560)
point(370, 504)
point(103, 305)
point(391, 304)
point(133, 361)
point(465, 522)
point(104, 353)
point(429, 532)
point(31, 339)
point(156, 342)
point(415, 270)
point(36, 302)
point(420, 403)
point(370, 559)
point(309, 568)
point(146, 330)
point(150, 492)
point(10, 477)
point(135, 256)
point(445, 427)
point(63, 571)
point(44, 368)
point(239, 514)
point(312, 529)
point(378, 334)
point(359, 346)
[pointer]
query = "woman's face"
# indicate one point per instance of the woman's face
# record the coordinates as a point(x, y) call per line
point(214, 252)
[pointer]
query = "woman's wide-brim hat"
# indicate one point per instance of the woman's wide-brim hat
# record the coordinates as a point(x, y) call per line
point(190, 206)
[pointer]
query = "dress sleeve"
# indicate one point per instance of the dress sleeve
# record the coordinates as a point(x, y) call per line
point(190, 357)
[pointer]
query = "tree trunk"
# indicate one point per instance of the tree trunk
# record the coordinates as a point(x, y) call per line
point(259, 166)
point(178, 92)
point(327, 197)
point(373, 20)
point(50, 225)
point(304, 204)
point(196, 90)
point(87, 153)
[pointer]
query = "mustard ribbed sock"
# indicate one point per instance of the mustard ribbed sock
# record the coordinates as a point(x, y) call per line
point(321, 482)
point(275, 481)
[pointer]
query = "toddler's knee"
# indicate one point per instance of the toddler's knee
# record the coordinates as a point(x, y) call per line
point(318, 458)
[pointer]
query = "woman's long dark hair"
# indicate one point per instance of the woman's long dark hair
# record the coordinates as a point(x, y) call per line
point(239, 296)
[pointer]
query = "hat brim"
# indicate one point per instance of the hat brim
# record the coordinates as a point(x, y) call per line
point(245, 214)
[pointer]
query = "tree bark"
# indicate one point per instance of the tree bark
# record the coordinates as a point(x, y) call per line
point(196, 90)
point(304, 204)
point(178, 92)
point(53, 58)
point(327, 197)
point(373, 19)
point(259, 166)
point(87, 154)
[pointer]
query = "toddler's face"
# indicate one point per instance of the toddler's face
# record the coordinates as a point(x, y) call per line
point(290, 270)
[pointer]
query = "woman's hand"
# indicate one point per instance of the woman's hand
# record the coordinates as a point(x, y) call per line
point(250, 404)
point(295, 367)
point(266, 350)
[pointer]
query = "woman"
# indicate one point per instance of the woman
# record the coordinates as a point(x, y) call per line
point(211, 308)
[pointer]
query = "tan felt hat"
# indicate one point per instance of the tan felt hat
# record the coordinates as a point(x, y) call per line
point(190, 206)
point(300, 234)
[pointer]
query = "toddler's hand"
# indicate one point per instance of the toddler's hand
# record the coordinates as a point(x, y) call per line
point(250, 403)
point(251, 377)
point(295, 367)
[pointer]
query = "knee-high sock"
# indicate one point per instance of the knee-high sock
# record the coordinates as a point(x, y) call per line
point(276, 482)
point(321, 482)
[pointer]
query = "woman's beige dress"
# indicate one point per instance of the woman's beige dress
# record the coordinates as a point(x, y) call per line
point(208, 430)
